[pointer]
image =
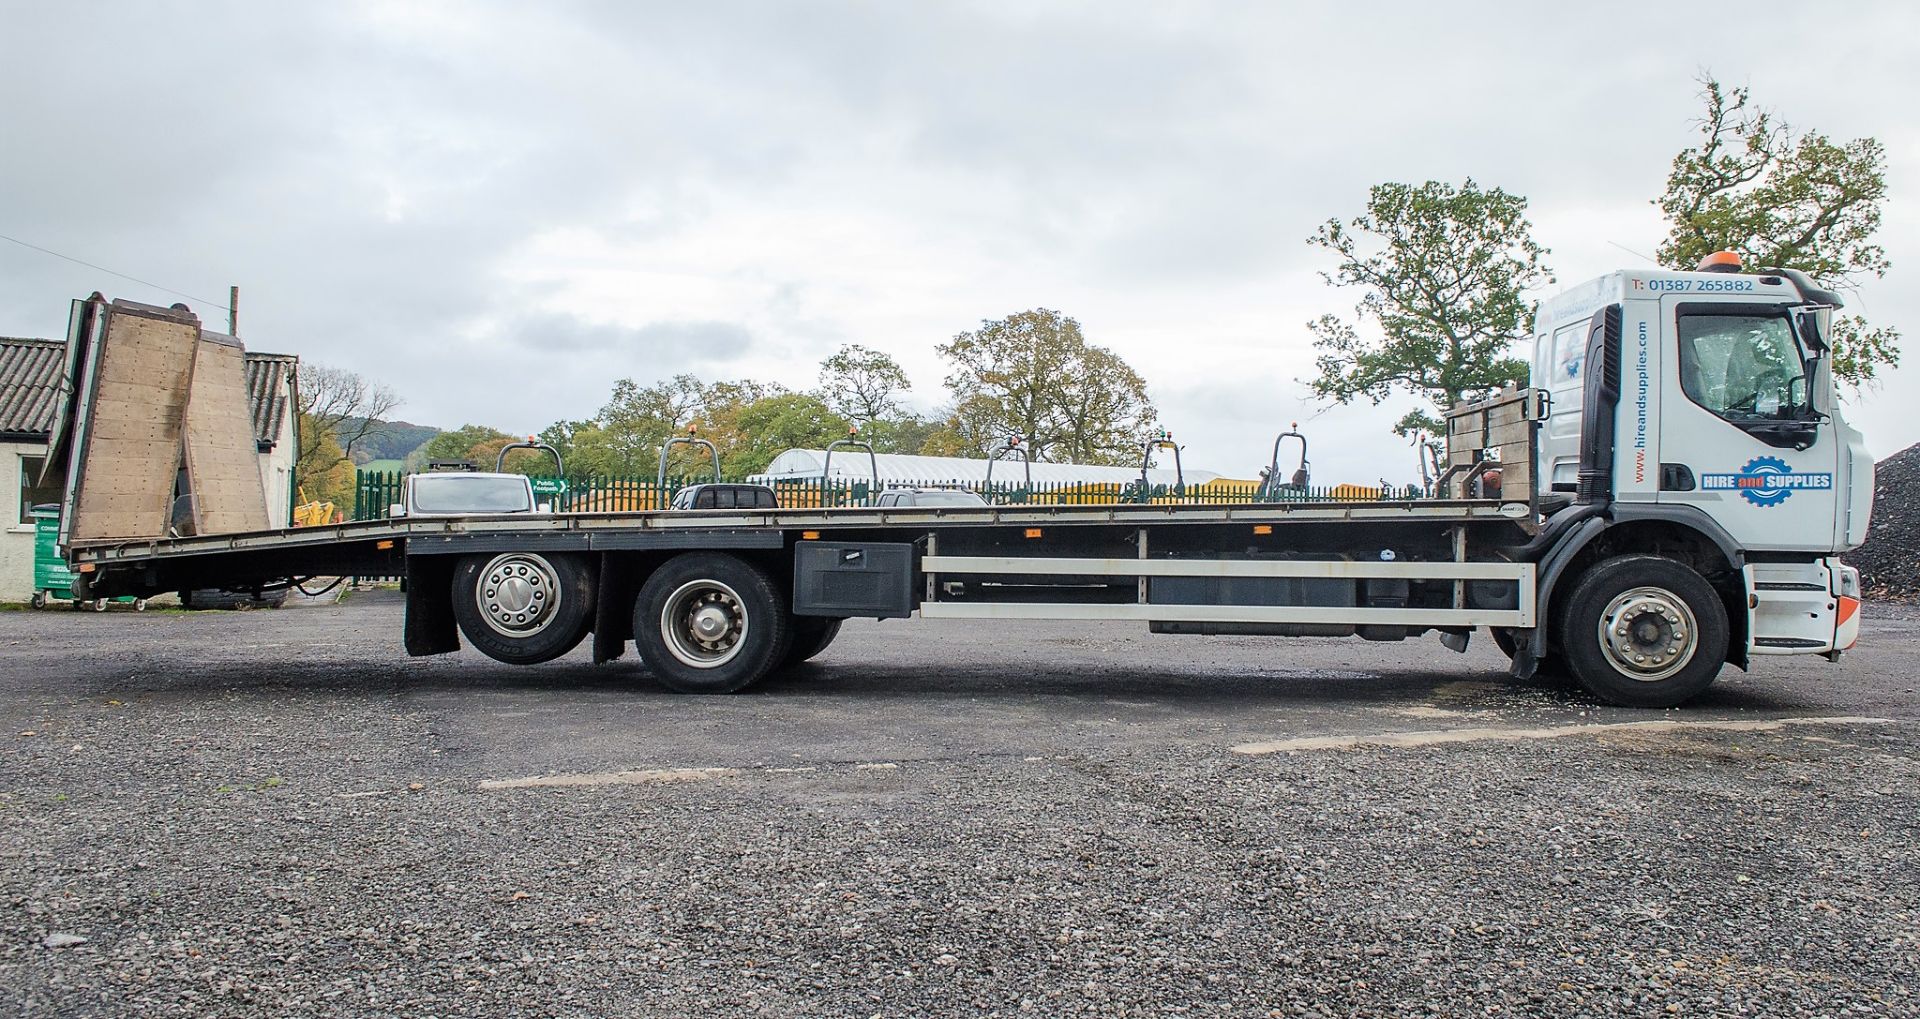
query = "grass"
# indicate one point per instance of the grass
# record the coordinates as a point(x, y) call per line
point(384, 465)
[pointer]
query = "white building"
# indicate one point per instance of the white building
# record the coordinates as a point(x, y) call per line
point(30, 383)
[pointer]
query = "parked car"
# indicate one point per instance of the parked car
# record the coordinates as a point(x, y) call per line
point(724, 496)
point(464, 493)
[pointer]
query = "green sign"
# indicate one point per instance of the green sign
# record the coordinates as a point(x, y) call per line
point(549, 486)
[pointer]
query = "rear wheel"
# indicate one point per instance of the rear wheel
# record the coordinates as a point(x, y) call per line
point(811, 635)
point(711, 623)
point(1645, 631)
point(523, 608)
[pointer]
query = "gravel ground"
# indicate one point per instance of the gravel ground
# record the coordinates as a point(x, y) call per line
point(1890, 560)
point(278, 814)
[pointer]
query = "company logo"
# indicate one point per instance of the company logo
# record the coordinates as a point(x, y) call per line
point(1766, 481)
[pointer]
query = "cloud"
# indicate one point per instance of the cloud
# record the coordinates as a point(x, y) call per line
point(659, 345)
point(499, 208)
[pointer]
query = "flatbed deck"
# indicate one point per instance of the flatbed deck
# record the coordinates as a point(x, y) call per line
point(668, 529)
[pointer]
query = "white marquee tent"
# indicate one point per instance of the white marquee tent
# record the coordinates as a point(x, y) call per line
point(901, 468)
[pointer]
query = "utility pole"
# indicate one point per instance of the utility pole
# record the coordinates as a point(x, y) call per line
point(233, 311)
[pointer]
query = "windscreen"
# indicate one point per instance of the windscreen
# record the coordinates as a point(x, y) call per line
point(470, 493)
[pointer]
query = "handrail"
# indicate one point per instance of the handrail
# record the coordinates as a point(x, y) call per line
point(1302, 478)
point(1010, 445)
point(850, 441)
point(1162, 439)
point(500, 462)
point(688, 439)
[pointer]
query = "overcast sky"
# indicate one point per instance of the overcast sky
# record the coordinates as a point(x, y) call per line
point(499, 209)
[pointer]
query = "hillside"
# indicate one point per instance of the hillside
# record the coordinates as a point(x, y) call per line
point(391, 440)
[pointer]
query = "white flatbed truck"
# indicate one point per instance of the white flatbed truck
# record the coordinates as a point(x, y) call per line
point(1673, 489)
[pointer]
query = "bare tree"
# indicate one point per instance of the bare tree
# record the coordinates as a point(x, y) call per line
point(340, 411)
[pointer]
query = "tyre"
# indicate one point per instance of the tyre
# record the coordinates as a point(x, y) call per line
point(1644, 631)
point(811, 635)
point(139, 605)
point(99, 605)
point(523, 608)
point(39, 600)
point(711, 623)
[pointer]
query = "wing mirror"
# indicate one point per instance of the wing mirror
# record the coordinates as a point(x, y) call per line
point(1808, 323)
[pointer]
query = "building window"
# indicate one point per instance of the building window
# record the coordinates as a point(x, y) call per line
point(32, 493)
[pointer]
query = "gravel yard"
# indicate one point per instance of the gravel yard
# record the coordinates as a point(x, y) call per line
point(279, 814)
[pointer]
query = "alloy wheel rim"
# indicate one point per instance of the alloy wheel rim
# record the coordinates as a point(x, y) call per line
point(704, 623)
point(519, 594)
point(1649, 633)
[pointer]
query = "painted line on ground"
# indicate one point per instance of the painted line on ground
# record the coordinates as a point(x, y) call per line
point(651, 776)
point(656, 776)
point(1436, 737)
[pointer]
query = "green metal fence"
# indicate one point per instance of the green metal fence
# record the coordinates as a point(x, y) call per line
point(375, 491)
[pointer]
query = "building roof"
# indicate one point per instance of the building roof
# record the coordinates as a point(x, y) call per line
point(30, 382)
point(896, 468)
point(29, 385)
point(267, 376)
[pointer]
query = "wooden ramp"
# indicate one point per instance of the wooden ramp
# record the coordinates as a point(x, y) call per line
point(129, 422)
point(223, 465)
point(161, 440)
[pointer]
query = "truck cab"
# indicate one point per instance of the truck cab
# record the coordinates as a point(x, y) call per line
point(1698, 409)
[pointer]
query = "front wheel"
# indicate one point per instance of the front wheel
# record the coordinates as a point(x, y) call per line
point(711, 623)
point(1644, 631)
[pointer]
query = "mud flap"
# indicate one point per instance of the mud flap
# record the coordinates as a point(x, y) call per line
point(613, 609)
point(430, 629)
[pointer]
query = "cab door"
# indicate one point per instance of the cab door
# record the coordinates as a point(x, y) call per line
point(1740, 438)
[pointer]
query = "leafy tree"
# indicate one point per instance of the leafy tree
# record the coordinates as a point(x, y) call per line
point(625, 436)
point(862, 385)
point(905, 432)
point(723, 420)
point(1784, 200)
point(335, 483)
point(1443, 271)
point(1034, 374)
point(340, 412)
point(774, 424)
point(467, 442)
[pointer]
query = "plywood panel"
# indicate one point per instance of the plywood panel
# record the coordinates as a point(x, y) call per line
point(128, 442)
point(223, 467)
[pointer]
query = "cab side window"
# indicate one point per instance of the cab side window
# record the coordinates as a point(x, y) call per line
point(1742, 366)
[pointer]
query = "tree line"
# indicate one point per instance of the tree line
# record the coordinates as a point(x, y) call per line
point(1443, 273)
point(1031, 375)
